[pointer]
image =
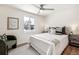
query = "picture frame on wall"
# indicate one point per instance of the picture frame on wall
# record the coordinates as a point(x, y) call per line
point(12, 23)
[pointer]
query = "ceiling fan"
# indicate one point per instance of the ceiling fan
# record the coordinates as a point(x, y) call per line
point(41, 7)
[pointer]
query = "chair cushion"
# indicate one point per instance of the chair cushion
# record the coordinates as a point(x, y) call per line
point(10, 43)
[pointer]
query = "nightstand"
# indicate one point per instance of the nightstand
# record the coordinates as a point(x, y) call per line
point(74, 40)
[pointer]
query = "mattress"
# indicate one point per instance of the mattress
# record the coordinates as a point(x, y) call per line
point(49, 44)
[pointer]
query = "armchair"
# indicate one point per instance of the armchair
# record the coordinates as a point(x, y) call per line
point(11, 42)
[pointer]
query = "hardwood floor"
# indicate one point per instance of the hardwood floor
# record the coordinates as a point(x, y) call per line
point(70, 50)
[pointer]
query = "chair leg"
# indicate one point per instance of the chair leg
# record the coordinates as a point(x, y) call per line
point(7, 50)
point(14, 46)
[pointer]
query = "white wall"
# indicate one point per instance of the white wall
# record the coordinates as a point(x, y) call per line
point(65, 17)
point(59, 18)
point(22, 37)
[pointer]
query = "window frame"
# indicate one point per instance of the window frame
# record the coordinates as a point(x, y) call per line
point(34, 24)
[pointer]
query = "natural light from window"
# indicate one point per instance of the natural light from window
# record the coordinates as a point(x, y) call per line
point(29, 23)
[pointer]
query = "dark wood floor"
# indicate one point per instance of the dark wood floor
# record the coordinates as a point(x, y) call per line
point(71, 50)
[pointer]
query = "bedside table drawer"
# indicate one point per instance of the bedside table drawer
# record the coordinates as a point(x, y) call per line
point(74, 36)
point(73, 44)
point(74, 40)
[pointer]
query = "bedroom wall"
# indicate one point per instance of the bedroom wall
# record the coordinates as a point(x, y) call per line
point(65, 17)
point(22, 37)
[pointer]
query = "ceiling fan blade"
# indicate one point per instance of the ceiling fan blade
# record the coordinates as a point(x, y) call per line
point(47, 9)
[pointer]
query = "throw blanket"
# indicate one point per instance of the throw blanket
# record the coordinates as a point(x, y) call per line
point(55, 41)
point(49, 37)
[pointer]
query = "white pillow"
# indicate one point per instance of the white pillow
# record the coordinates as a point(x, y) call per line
point(52, 31)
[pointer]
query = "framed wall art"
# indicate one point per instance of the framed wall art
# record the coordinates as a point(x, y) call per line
point(12, 23)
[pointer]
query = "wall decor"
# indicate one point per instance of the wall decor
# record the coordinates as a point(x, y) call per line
point(12, 23)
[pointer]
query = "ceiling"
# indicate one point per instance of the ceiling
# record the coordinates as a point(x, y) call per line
point(32, 9)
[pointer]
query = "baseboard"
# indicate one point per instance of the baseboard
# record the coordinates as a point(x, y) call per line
point(22, 44)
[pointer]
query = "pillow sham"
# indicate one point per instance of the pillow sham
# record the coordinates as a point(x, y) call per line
point(51, 30)
point(58, 30)
point(61, 30)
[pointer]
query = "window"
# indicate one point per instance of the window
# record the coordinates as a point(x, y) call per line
point(29, 23)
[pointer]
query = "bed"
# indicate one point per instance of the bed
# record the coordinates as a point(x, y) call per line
point(49, 44)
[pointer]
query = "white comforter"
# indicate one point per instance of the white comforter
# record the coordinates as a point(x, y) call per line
point(49, 44)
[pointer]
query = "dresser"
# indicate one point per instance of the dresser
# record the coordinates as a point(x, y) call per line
point(74, 40)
